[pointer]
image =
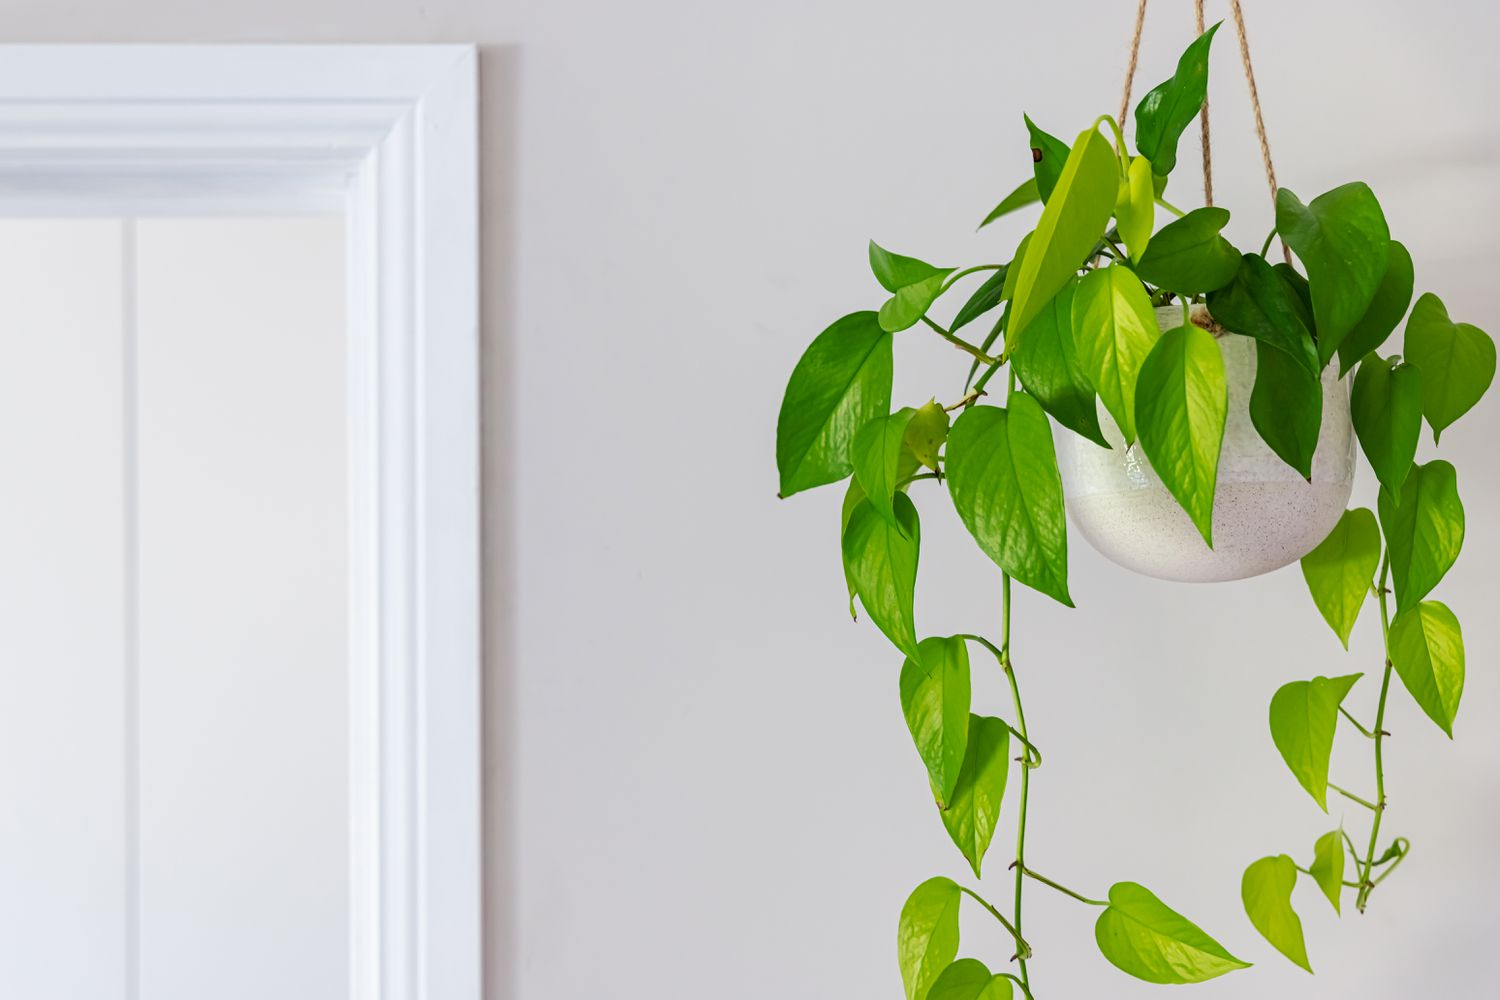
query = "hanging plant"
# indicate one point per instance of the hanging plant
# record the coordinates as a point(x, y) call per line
point(1209, 401)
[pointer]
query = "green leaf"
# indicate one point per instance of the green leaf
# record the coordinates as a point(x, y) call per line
point(969, 979)
point(1427, 649)
point(907, 307)
point(1343, 241)
point(1026, 193)
point(1267, 892)
point(895, 272)
point(1341, 570)
point(974, 808)
point(1424, 532)
point(1047, 362)
point(841, 383)
point(1392, 296)
point(1301, 294)
point(876, 456)
point(1189, 256)
point(1002, 474)
point(1075, 217)
point(1135, 207)
point(935, 701)
point(853, 497)
point(927, 940)
point(1182, 402)
point(1114, 329)
point(1169, 108)
point(926, 433)
point(1457, 361)
point(1304, 716)
point(1259, 303)
point(986, 297)
point(1327, 868)
point(881, 559)
point(1386, 406)
point(1048, 154)
point(1286, 407)
point(1143, 937)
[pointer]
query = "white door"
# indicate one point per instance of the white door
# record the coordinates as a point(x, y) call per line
point(174, 689)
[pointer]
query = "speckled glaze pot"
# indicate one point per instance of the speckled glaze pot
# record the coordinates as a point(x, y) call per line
point(1265, 514)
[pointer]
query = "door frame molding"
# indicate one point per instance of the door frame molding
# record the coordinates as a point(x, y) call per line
point(388, 135)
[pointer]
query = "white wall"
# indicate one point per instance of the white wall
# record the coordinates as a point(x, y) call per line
point(699, 779)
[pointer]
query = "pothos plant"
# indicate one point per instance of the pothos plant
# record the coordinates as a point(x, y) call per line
point(1077, 328)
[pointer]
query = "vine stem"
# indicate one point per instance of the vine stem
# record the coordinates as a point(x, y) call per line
point(1022, 948)
point(1063, 889)
point(1385, 688)
point(1021, 731)
point(961, 344)
point(955, 276)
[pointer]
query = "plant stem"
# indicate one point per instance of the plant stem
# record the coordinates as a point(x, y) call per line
point(1355, 722)
point(1265, 247)
point(1170, 207)
point(961, 344)
point(1063, 889)
point(1022, 948)
point(1352, 797)
point(1121, 254)
point(1385, 688)
point(956, 275)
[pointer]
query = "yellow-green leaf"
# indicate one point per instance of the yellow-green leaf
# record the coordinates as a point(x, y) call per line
point(1341, 570)
point(1181, 405)
point(1424, 531)
point(935, 701)
point(926, 433)
point(1327, 868)
point(1076, 216)
point(1114, 329)
point(1427, 649)
point(1135, 207)
point(1266, 890)
point(1143, 937)
point(881, 559)
point(1304, 717)
point(927, 938)
point(974, 809)
point(969, 979)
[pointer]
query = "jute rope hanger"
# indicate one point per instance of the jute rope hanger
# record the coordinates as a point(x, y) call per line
point(1260, 125)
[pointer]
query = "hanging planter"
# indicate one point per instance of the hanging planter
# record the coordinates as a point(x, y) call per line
point(1265, 514)
point(1193, 450)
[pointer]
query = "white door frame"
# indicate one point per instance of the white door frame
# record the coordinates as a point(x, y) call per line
point(387, 134)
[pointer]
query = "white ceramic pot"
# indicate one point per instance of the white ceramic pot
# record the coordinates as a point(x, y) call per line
point(1265, 514)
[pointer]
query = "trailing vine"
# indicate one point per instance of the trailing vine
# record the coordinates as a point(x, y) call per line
point(1073, 325)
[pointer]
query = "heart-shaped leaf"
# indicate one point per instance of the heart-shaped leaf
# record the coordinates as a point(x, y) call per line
point(1344, 242)
point(1266, 890)
point(1392, 296)
point(1002, 474)
point(876, 457)
point(881, 559)
point(1189, 256)
point(1457, 362)
point(986, 297)
point(914, 286)
point(969, 979)
point(1025, 193)
point(1048, 154)
point(1143, 937)
point(895, 272)
point(1047, 363)
point(1181, 406)
point(926, 433)
point(974, 808)
point(1304, 716)
point(1114, 329)
point(1135, 207)
point(1341, 570)
point(1427, 649)
point(1424, 532)
point(935, 701)
point(1327, 868)
point(1386, 407)
point(1259, 303)
point(841, 383)
point(1286, 407)
point(1168, 109)
point(927, 939)
point(1075, 217)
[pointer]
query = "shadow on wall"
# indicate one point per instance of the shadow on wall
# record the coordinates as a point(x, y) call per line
point(499, 84)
